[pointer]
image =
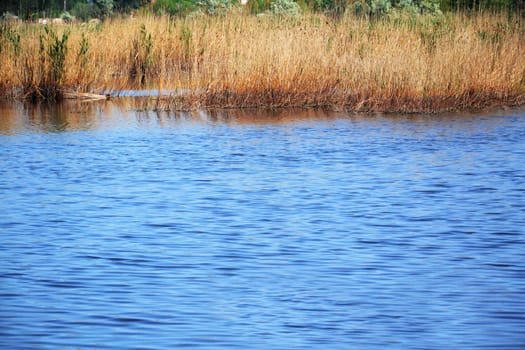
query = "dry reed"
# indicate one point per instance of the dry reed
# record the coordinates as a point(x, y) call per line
point(406, 64)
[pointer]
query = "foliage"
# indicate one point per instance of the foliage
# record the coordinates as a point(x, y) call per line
point(215, 7)
point(53, 50)
point(67, 17)
point(285, 7)
point(498, 5)
point(8, 16)
point(418, 6)
point(375, 8)
point(82, 57)
point(44, 78)
point(378, 8)
point(105, 6)
point(174, 7)
point(85, 11)
point(142, 56)
point(259, 6)
point(9, 37)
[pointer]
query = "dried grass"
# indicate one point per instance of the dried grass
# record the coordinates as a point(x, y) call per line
point(407, 64)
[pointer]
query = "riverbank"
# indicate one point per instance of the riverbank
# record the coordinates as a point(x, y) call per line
point(401, 64)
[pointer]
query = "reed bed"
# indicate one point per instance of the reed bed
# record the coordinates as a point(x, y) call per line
point(402, 63)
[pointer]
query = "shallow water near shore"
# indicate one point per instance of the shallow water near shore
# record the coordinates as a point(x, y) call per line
point(127, 229)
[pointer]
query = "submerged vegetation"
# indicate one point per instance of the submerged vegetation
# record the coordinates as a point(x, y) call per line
point(401, 62)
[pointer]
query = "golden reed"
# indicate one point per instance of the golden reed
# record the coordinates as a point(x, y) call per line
point(403, 63)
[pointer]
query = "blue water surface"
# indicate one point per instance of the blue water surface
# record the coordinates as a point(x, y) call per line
point(122, 229)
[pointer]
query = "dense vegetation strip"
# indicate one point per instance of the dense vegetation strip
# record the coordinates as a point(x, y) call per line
point(400, 62)
point(86, 9)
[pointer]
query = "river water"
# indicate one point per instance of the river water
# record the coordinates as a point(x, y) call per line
point(125, 229)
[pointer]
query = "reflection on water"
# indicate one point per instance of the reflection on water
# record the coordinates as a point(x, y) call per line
point(79, 115)
point(122, 228)
point(73, 115)
point(68, 116)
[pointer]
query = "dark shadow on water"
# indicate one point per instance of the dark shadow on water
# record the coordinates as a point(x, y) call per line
point(22, 117)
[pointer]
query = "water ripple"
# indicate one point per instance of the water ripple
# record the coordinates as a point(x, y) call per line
point(343, 232)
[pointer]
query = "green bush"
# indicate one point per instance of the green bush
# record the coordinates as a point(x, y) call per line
point(8, 16)
point(373, 8)
point(497, 5)
point(215, 7)
point(418, 6)
point(259, 6)
point(105, 7)
point(285, 7)
point(67, 17)
point(174, 7)
point(44, 80)
point(53, 50)
point(85, 11)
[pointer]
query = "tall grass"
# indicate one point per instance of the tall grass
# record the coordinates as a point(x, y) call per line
point(403, 63)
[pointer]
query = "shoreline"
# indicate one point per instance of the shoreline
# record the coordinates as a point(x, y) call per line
point(163, 105)
point(169, 101)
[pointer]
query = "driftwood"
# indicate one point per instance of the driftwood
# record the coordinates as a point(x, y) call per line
point(83, 96)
